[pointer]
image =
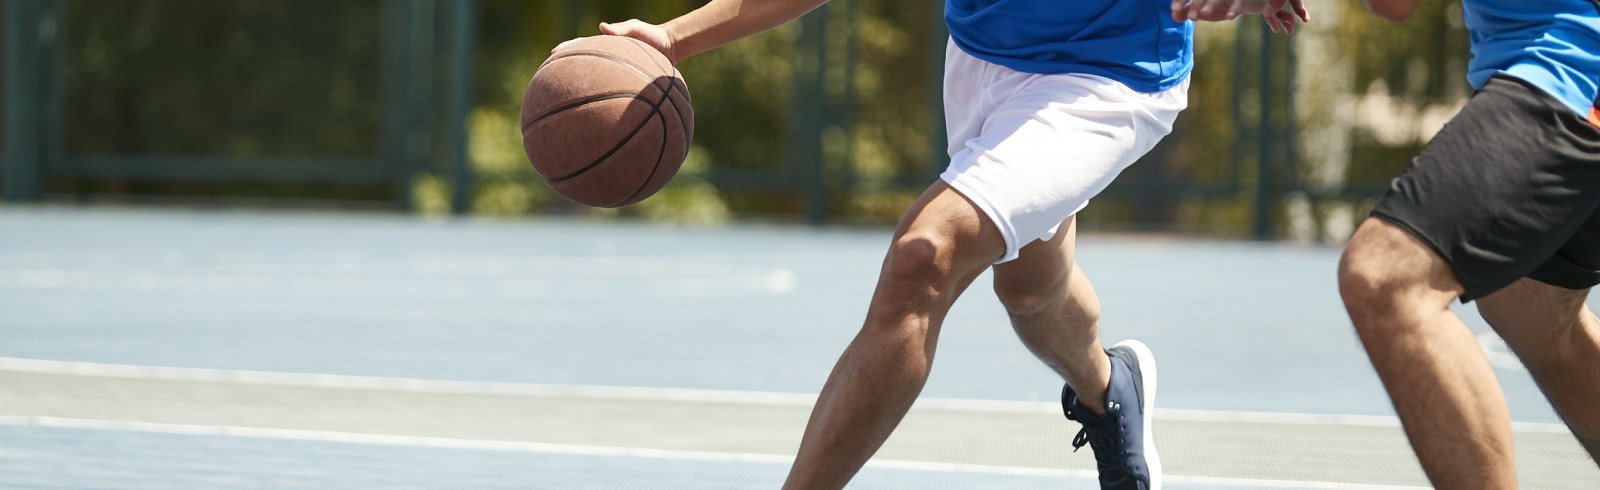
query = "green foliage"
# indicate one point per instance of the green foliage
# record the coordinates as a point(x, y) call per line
point(1387, 88)
point(1422, 60)
point(222, 78)
point(744, 102)
point(302, 79)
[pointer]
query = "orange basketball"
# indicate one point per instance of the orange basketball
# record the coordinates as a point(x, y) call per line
point(606, 121)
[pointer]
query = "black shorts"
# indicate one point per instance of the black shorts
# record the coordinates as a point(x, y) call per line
point(1508, 189)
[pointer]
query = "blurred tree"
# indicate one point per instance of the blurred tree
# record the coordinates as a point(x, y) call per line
point(1372, 92)
point(222, 77)
point(2, 85)
point(307, 78)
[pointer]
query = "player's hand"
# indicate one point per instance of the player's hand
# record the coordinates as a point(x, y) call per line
point(651, 34)
point(1280, 15)
point(1284, 21)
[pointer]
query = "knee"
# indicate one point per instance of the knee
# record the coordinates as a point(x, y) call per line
point(1362, 280)
point(920, 261)
point(1370, 283)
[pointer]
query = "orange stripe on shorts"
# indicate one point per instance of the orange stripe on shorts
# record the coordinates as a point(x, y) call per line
point(1594, 116)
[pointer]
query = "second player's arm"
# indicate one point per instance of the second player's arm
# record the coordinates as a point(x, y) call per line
point(1280, 15)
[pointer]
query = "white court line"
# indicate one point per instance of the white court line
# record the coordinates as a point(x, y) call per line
point(432, 276)
point(769, 281)
point(635, 452)
point(413, 385)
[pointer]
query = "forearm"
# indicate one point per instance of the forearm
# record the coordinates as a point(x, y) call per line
point(724, 21)
point(1391, 9)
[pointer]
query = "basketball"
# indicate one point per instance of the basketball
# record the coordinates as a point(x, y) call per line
point(606, 121)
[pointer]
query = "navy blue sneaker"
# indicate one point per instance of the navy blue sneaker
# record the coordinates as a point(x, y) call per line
point(1124, 449)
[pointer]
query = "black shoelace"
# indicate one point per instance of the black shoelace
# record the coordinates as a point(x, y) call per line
point(1107, 441)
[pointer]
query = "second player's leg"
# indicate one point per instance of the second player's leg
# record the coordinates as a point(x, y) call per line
point(1055, 312)
point(1558, 339)
point(941, 245)
point(1398, 292)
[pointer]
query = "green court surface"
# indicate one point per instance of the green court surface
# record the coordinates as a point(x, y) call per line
point(205, 349)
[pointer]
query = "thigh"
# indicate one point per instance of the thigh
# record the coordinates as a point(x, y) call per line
point(1384, 264)
point(1533, 317)
point(1502, 187)
point(947, 229)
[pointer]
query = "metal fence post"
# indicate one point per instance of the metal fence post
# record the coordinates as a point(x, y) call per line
point(419, 96)
point(1270, 131)
point(463, 31)
point(407, 70)
point(938, 40)
point(20, 165)
point(1261, 227)
point(808, 113)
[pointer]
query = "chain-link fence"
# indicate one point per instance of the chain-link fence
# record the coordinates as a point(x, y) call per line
point(831, 119)
point(290, 99)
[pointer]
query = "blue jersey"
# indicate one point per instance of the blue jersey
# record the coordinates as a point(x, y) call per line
point(1553, 44)
point(1135, 42)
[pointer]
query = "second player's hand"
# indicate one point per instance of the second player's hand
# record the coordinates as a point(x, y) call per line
point(651, 34)
point(1283, 21)
point(1280, 15)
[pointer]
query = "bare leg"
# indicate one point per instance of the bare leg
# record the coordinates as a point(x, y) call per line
point(1558, 339)
point(942, 244)
point(1398, 292)
point(1055, 312)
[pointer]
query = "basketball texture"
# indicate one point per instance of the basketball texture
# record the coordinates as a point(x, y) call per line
point(606, 121)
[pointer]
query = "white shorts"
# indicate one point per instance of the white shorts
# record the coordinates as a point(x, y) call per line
point(1031, 149)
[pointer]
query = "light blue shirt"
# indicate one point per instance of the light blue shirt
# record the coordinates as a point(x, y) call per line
point(1553, 44)
point(1135, 42)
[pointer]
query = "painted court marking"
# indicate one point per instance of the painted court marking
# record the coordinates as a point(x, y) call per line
point(605, 451)
point(414, 385)
point(357, 276)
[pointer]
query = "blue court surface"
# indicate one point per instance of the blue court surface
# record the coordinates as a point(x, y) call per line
point(176, 349)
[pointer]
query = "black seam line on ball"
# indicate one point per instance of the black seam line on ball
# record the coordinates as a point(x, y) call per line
point(591, 100)
point(655, 108)
point(646, 49)
point(676, 76)
point(672, 83)
point(620, 61)
point(661, 154)
point(682, 124)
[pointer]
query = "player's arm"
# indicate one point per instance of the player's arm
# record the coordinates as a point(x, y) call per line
point(1395, 10)
point(717, 23)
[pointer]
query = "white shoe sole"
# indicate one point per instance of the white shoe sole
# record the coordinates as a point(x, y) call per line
point(1147, 374)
